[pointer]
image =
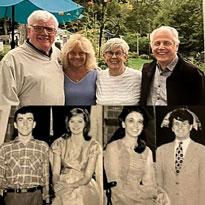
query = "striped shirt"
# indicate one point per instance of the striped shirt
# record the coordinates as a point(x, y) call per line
point(123, 89)
point(24, 165)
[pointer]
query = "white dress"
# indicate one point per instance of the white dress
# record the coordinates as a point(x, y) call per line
point(74, 164)
point(133, 173)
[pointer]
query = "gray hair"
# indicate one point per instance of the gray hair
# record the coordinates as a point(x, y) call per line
point(42, 15)
point(172, 30)
point(116, 43)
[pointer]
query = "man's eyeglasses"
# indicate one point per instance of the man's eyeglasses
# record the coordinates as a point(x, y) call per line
point(117, 53)
point(40, 29)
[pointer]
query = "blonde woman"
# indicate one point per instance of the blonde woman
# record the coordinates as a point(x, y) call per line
point(79, 65)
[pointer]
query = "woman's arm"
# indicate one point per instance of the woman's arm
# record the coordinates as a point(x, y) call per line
point(111, 162)
point(56, 168)
point(90, 168)
point(149, 174)
point(149, 179)
point(55, 158)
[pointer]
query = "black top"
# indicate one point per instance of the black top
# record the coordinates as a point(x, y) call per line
point(185, 86)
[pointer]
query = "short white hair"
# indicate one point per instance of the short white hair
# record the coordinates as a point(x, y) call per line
point(42, 15)
point(172, 30)
point(115, 43)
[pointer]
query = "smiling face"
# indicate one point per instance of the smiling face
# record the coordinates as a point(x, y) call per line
point(25, 124)
point(42, 39)
point(164, 47)
point(77, 57)
point(115, 59)
point(181, 129)
point(133, 124)
point(77, 124)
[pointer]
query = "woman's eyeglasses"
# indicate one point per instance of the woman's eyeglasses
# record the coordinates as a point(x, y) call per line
point(117, 53)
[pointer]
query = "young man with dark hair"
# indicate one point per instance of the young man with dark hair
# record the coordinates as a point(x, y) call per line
point(181, 163)
point(24, 164)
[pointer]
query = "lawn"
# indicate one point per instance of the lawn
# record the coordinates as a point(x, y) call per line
point(137, 63)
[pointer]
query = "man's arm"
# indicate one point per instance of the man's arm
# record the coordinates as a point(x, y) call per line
point(201, 87)
point(8, 82)
point(2, 171)
point(202, 176)
point(159, 167)
point(45, 165)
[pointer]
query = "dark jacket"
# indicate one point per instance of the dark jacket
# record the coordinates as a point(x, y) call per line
point(185, 86)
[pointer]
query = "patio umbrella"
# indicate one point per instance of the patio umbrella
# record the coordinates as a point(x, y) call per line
point(19, 10)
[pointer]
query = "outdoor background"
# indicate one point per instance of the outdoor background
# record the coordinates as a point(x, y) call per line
point(132, 20)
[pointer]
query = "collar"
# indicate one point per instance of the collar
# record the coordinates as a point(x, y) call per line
point(42, 52)
point(123, 71)
point(17, 139)
point(170, 67)
point(185, 141)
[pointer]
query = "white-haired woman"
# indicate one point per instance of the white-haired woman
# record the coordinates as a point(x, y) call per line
point(119, 84)
point(79, 65)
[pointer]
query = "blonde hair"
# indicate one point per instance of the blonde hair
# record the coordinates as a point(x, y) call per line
point(114, 43)
point(172, 30)
point(85, 45)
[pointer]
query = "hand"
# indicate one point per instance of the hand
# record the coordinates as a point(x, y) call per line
point(58, 186)
point(163, 199)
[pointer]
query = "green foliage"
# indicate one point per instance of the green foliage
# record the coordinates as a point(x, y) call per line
point(142, 42)
point(202, 67)
point(140, 17)
point(186, 17)
point(137, 63)
point(102, 64)
point(1, 55)
point(5, 51)
point(144, 56)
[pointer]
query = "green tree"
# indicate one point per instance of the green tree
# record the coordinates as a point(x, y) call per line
point(132, 18)
point(186, 16)
point(141, 17)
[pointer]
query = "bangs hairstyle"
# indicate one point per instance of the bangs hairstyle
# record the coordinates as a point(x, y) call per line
point(120, 132)
point(181, 115)
point(41, 15)
point(85, 45)
point(75, 112)
point(115, 43)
